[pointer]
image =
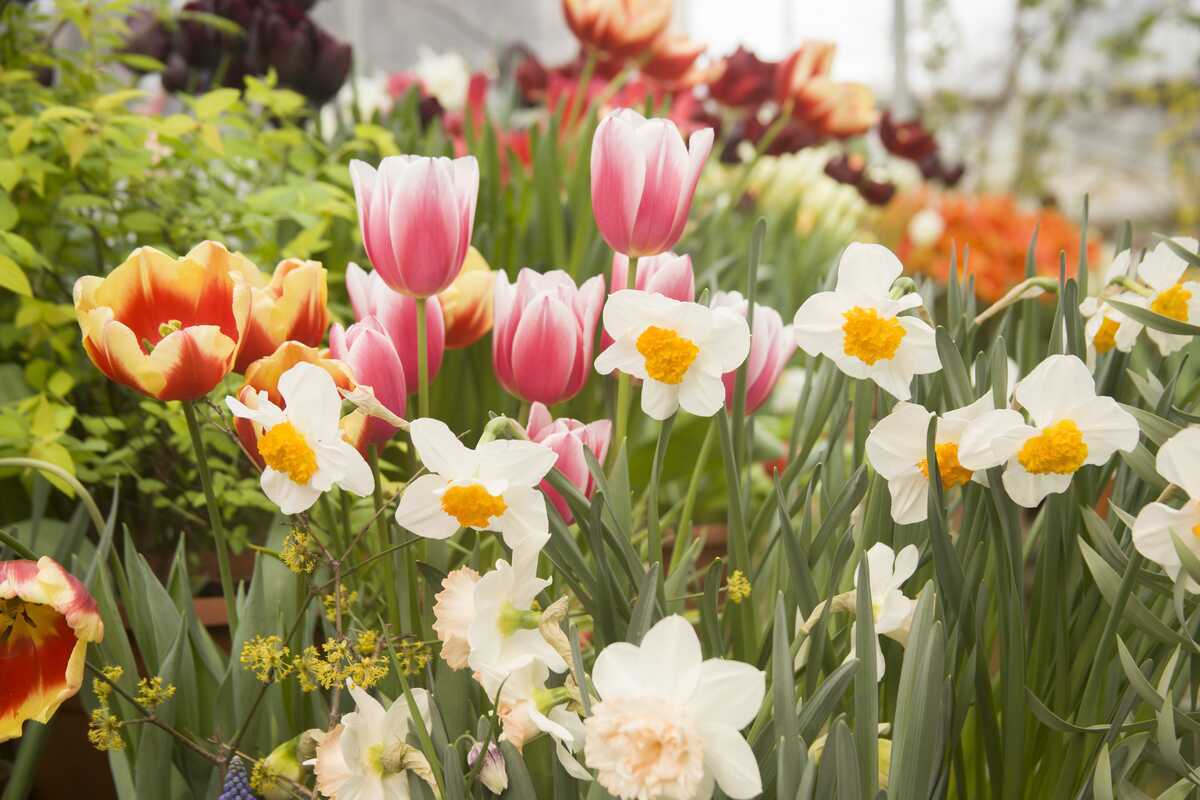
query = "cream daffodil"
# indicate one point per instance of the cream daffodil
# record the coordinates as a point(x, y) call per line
point(858, 325)
point(896, 450)
point(1163, 271)
point(891, 609)
point(300, 444)
point(453, 610)
point(492, 487)
point(366, 757)
point(678, 350)
point(527, 709)
point(504, 633)
point(668, 721)
point(1179, 462)
point(1069, 427)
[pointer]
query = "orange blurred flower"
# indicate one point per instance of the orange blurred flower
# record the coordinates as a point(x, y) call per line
point(621, 28)
point(47, 618)
point(996, 231)
point(673, 61)
point(467, 303)
point(169, 328)
point(834, 108)
point(290, 305)
point(263, 376)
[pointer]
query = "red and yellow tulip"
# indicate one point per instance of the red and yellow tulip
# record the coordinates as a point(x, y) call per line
point(467, 303)
point(171, 328)
point(288, 306)
point(47, 619)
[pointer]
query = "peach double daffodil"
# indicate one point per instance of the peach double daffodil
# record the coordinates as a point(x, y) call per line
point(170, 328)
point(47, 619)
point(1070, 427)
point(490, 488)
point(300, 444)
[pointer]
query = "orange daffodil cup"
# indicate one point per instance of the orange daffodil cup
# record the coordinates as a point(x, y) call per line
point(47, 619)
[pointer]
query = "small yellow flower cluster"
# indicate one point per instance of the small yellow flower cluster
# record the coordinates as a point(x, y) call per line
point(412, 656)
point(104, 728)
point(737, 586)
point(297, 553)
point(262, 778)
point(268, 657)
point(153, 692)
point(334, 662)
point(367, 643)
point(338, 600)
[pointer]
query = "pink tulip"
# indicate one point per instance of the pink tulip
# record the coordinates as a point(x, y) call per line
point(568, 438)
point(396, 315)
point(771, 345)
point(668, 274)
point(643, 179)
point(372, 357)
point(543, 334)
point(416, 215)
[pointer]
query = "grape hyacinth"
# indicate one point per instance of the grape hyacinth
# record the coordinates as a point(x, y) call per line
point(237, 782)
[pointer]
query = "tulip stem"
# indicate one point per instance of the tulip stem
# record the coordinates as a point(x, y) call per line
point(214, 515)
point(390, 588)
point(624, 387)
point(422, 361)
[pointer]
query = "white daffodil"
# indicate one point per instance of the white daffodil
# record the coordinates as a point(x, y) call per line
point(1163, 270)
point(300, 444)
point(1107, 328)
point(528, 709)
point(492, 487)
point(366, 757)
point(667, 724)
point(505, 632)
point(1071, 427)
point(896, 450)
point(892, 609)
point(1179, 462)
point(858, 326)
point(678, 350)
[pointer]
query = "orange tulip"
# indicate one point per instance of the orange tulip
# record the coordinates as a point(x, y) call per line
point(288, 306)
point(168, 327)
point(621, 28)
point(467, 303)
point(673, 60)
point(47, 619)
point(831, 108)
point(263, 376)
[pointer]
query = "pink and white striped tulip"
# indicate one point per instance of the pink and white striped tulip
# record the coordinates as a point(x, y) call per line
point(568, 438)
point(543, 334)
point(771, 345)
point(643, 180)
point(369, 353)
point(416, 215)
point(396, 315)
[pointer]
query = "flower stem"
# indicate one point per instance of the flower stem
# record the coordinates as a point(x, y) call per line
point(422, 361)
point(624, 388)
point(653, 531)
point(214, 515)
point(390, 588)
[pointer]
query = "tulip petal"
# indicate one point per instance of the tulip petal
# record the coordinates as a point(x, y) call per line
point(618, 177)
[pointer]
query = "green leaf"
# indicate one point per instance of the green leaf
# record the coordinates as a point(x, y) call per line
point(1109, 583)
point(866, 688)
point(1155, 321)
point(917, 731)
point(20, 135)
point(1157, 429)
point(214, 103)
point(815, 711)
point(643, 611)
point(13, 278)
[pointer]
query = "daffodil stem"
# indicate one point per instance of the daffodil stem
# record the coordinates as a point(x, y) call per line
point(422, 361)
point(683, 531)
point(390, 588)
point(624, 387)
point(653, 532)
point(214, 515)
